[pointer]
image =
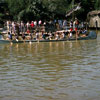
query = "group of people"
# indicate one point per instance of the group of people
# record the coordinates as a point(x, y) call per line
point(21, 27)
point(37, 30)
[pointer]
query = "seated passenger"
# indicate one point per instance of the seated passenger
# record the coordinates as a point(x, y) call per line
point(70, 33)
point(84, 32)
point(16, 37)
point(57, 37)
point(9, 36)
point(50, 35)
point(63, 35)
point(23, 36)
point(43, 36)
point(37, 35)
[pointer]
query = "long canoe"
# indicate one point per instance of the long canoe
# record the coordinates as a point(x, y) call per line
point(91, 35)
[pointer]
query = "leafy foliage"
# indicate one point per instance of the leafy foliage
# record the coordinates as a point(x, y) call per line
point(97, 5)
point(45, 9)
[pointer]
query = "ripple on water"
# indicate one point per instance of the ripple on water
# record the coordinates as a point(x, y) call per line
point(50, 71)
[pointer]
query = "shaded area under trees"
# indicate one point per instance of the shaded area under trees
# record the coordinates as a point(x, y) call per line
point(28, 10)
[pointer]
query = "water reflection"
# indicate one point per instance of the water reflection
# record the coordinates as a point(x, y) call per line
point(50, 71)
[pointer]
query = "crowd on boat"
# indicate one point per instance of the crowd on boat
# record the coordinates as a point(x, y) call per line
point(38, 30)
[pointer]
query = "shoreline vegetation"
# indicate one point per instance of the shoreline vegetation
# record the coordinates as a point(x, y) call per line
point(28, 10)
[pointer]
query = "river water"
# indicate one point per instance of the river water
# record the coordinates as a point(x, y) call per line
point(50, 71)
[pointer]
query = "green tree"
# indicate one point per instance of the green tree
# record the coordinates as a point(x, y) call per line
point(56, 8)
point(3, 11)
point(48, 9)
point(86, 6)
point(16, 6)
point(97, 5)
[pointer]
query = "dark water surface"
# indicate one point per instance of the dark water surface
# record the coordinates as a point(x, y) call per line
point(50, 71)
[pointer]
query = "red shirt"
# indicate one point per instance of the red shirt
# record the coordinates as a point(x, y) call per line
point(28, 31)
point(32, 24)
point(75, 29)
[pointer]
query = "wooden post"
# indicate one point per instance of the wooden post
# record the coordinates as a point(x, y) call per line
point(96, 24)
